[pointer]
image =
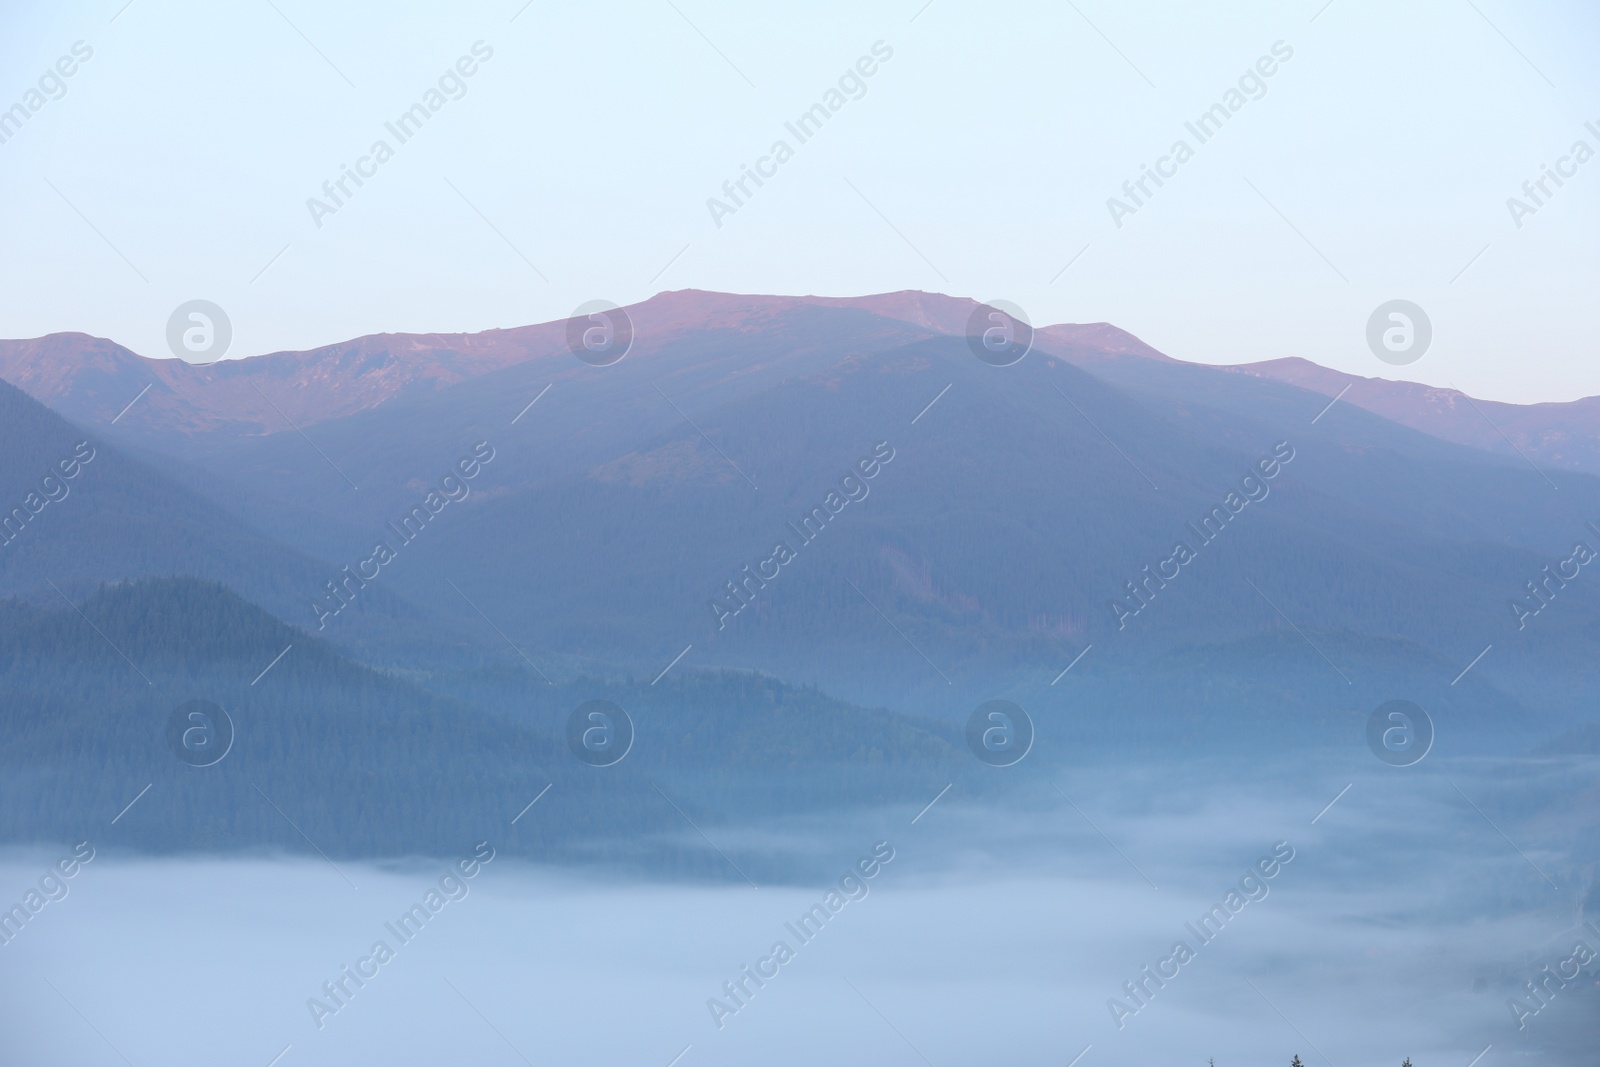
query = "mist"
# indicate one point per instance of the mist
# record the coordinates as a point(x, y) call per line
point(994, 932)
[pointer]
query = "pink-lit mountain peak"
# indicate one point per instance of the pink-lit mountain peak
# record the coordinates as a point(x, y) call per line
point(92, 379)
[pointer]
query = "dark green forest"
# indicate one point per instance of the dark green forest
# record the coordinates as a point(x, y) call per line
point(338, 757)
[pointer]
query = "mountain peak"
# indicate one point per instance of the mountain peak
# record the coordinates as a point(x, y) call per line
point(92, 380)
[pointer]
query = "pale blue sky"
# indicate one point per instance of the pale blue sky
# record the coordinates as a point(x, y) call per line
point(989, 143)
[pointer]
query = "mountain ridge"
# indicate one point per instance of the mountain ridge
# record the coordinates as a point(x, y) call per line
point(97, 381)
point(1027, 499)
point(1565, 434)
point(94, 379)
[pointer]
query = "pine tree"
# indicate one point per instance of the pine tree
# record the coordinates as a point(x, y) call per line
point(1296, 1061)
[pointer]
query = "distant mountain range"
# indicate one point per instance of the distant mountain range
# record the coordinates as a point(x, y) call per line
point(1561, 436)
point(1020, 507)
point(118, 517)
point(91, 379)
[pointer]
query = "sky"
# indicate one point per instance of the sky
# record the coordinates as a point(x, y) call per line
point(578, 161)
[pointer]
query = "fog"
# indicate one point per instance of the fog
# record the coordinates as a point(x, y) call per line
point(1409, 912)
